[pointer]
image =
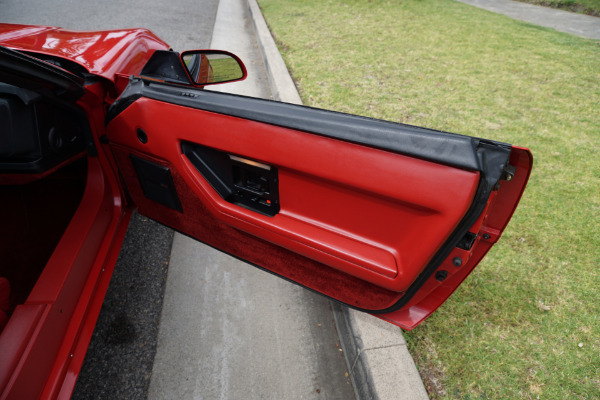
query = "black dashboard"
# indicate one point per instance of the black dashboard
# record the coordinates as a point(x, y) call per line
point(37, 133)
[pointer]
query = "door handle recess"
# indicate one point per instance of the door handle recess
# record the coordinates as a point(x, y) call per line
point(238, 180)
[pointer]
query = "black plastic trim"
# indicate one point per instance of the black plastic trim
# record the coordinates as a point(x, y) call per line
point(156, 182)
point(467, 241)
point(233, 179)
point(165, 65)
point(51, 148)
point(428, 144)
point(214, 166)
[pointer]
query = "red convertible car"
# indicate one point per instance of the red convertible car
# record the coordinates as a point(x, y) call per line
point(384, 217)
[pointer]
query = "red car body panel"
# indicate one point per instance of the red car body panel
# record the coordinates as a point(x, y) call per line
point(403, 208)
point(103, 53)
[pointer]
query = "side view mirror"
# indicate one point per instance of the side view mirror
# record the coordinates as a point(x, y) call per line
point(209, 67)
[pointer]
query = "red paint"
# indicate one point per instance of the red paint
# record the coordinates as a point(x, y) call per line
point(103, 53)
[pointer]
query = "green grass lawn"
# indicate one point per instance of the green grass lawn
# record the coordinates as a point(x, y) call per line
point(526, 323)
point(590, 7)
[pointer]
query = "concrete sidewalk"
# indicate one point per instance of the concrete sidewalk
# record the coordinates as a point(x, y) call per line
point(563, 21)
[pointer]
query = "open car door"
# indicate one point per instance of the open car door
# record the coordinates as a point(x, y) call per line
point(384, 217)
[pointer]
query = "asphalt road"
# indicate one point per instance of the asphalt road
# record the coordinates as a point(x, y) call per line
point(184, 24)
point(119, 361)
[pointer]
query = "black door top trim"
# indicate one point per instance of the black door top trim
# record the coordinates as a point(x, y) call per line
point(427, 144)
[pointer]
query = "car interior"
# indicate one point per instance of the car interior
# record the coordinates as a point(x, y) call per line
point(45, 195)
point(42, 179)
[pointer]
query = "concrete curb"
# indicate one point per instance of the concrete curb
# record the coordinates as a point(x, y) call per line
point(378, 360)
point(282, 84)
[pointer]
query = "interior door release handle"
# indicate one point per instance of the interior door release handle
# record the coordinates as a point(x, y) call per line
point(239, 180)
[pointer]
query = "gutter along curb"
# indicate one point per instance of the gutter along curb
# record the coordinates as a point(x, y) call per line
point(378, 360)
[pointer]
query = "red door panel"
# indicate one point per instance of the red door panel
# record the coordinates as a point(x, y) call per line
point(198, 221)
point(356, 223)
point(491, 223)
point(357, 211)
